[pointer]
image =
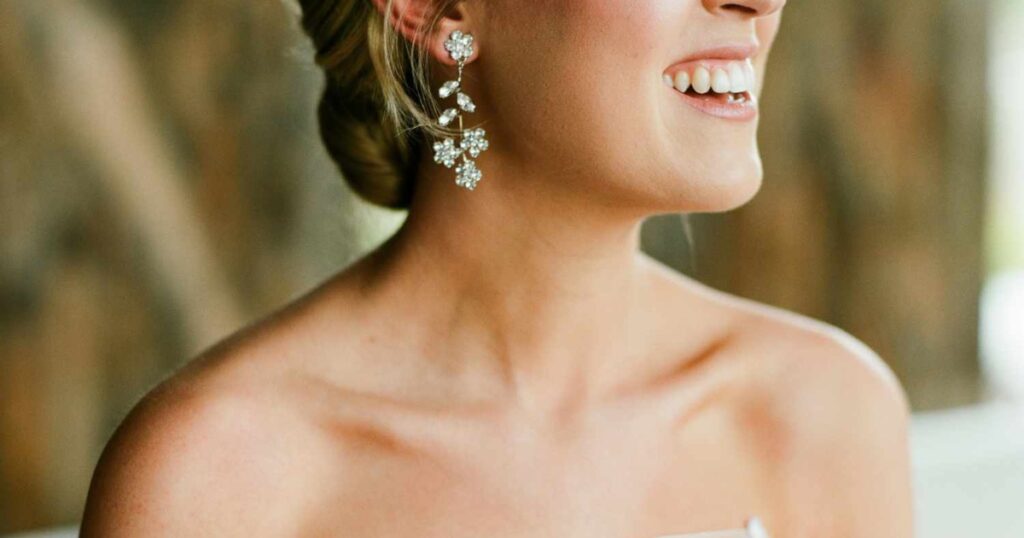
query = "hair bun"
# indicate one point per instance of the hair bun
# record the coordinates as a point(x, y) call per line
point(372, 111)
point(372, 159)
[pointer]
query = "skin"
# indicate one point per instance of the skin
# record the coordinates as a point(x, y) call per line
point(509, 363)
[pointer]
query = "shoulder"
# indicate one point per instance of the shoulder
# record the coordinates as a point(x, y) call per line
point(836, 419)
point(784, 352)
point(201, 454)
point(239, 440)
point(811, 362)
point(819, 411)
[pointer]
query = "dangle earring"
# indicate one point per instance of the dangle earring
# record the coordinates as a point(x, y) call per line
point(446, 152)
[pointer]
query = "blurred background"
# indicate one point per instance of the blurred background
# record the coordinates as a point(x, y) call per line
point(162, 184)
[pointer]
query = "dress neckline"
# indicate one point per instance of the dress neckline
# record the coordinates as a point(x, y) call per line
point(752, 529)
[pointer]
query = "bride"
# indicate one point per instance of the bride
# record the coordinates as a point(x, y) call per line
point(510, 363)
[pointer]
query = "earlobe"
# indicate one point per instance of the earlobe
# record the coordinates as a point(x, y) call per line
point(453, 19)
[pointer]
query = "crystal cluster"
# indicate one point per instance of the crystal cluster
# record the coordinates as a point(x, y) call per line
point(472, 142)
point(446, 152)
point(447, 88)
point(465, 103)
point(447, 116)
point(467, 174)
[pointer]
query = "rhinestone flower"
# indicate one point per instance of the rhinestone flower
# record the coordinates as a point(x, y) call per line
point(467, 175)
point(473, 142)
point(446, 152)
point(459, 45)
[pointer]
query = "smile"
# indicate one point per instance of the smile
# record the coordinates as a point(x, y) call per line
point(722, 88)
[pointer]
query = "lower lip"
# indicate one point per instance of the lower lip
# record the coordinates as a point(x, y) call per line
point(738, 111)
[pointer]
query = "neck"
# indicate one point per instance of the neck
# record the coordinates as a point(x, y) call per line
point(538, 290)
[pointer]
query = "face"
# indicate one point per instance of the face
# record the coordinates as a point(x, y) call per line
point(577, 89)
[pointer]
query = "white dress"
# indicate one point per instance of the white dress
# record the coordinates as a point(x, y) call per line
point(753, 529)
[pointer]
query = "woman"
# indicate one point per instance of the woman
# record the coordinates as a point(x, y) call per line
point(509, 363)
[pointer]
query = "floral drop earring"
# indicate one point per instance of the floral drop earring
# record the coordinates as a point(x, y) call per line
point(446, 152)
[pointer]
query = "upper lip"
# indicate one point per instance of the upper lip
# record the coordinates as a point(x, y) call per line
point(731, 51)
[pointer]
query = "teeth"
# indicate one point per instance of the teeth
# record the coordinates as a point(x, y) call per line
point(682, 82)
point(720, 81)
point(734, 77)
point(737, 78)
point(701, 80)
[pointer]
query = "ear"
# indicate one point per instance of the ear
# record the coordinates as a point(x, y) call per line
point(410, 17)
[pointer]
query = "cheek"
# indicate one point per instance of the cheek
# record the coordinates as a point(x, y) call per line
point(574, 78)
point(766, 30)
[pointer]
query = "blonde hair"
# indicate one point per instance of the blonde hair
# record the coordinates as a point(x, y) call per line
point(377, 106)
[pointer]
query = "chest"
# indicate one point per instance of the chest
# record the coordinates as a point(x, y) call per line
point(624, 483)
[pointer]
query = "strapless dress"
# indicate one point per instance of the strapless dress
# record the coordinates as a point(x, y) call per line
point(753, 529)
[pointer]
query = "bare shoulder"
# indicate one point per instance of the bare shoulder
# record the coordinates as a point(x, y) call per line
point(242, 440)
point(835, 418)
point(217, 449)
point(810, 361)
point(785, 350)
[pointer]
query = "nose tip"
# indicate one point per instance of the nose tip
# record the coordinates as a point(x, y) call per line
point(746, 8)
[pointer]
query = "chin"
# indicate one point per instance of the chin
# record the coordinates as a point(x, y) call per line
point(705, 174)
point(724, 191)
point(738, 195)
